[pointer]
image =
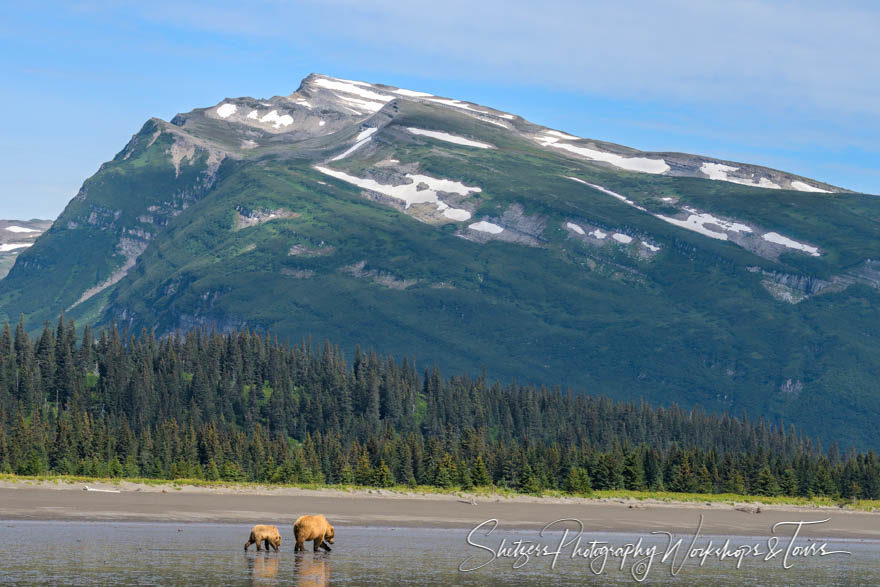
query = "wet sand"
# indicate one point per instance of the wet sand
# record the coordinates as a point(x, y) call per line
point(281, 506)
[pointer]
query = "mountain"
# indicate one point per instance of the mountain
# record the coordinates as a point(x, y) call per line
point(447, 231)
point(16, 236)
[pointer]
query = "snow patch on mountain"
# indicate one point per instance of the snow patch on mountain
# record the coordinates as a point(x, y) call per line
point(449, 138)
point(423, 189)
point(367, 105)
point(721, 172)
point(805, 187)
point(362, 139)
point(482, 118)
point(775, 237)
point(706, 224)
point(620, 197)
point(277, 121)
point(562, 135)
point(622, 238)
point(413, 94)
point(20, 229)
point(353, 88)
point(226, 110)
point(456, 214)
point(483, 226)
point(574, 227)
point(641, 164)
point(366, 133)
point(717, 171)
point(456, 104)
point(6, 247)
point(350, 150)
point(728, 226)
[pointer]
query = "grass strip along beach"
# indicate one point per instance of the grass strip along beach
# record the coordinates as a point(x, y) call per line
point(91, 499)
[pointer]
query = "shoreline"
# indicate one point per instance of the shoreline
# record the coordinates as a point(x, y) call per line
point(40, 500)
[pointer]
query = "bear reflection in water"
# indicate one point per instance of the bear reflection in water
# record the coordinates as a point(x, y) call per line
point(311, 569)
point(263, 566)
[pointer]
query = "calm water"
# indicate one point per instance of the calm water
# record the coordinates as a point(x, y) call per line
point(72, 553)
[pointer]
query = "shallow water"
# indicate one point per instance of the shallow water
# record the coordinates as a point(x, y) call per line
point(78, 553)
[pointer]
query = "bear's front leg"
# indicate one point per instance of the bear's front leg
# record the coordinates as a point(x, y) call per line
point(325, 546)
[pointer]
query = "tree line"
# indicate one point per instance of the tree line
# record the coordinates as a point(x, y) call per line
point(245, 407)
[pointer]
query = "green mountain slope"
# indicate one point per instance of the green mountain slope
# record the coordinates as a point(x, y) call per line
point(450, 232)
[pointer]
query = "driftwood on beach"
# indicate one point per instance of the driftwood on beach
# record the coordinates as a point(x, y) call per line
point(87, 488)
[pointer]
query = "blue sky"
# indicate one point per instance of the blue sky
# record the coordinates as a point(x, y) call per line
point(791, 85)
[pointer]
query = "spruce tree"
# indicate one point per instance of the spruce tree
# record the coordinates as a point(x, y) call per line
point(704, 481)
point(822, 482)
point(788, 484)
point(363, 473)
point(766, 483)
point(529, 481)
point(633, 472)
point(578, 481)
point(735, 483)
point(382, 476)
point(480, 476)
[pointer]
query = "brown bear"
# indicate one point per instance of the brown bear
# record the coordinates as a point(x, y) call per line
point(261, 534)
point(315, 528)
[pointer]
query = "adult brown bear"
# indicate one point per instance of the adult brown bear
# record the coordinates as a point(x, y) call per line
point(261, 534)
point(315, 528)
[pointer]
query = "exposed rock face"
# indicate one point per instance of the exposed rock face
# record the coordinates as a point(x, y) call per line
point(515, 225)
point(301, 250)
point(805, 284)
point(867, 272)
point(792, 288)
point(379, 277)
point(246, 217)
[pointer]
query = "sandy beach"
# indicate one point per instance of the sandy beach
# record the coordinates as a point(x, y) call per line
point(181, 504)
